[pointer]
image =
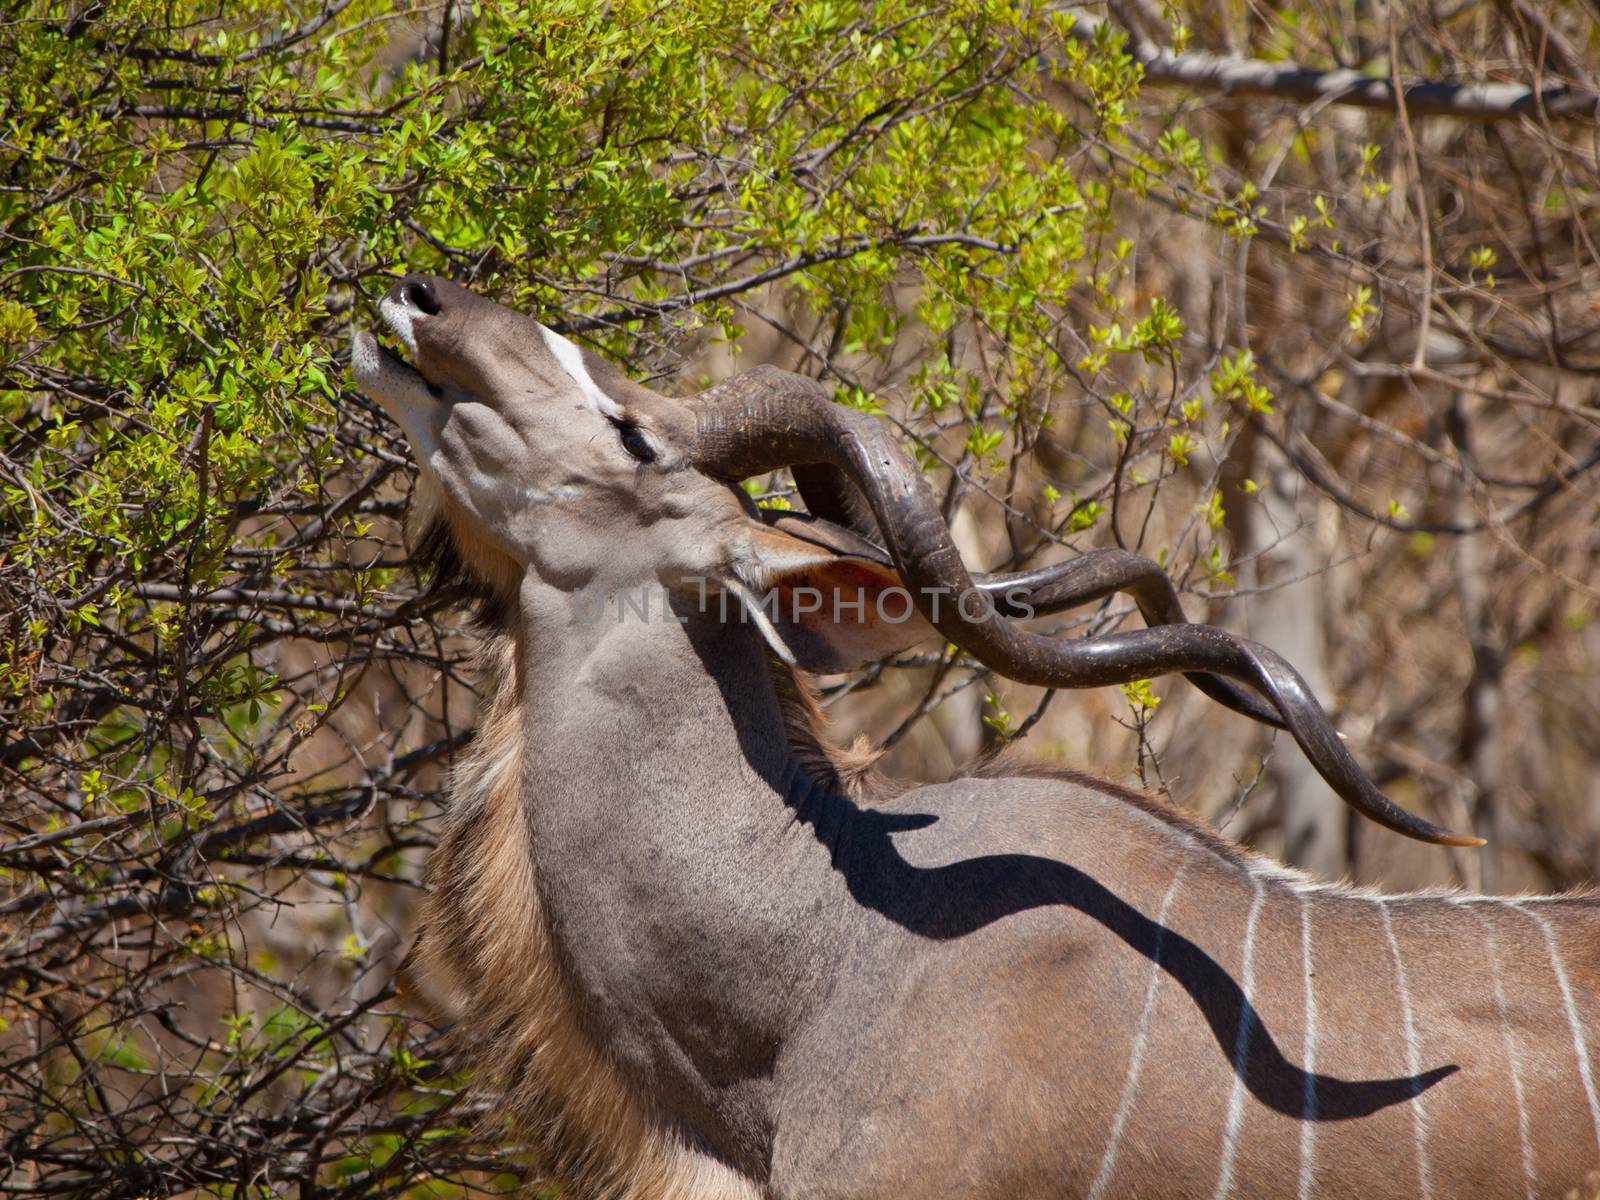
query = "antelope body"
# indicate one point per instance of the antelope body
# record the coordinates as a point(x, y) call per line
point(704, 954)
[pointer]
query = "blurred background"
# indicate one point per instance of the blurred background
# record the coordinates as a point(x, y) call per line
point(1301, 299)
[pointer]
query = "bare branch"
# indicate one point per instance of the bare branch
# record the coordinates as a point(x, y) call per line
point(1235, 75)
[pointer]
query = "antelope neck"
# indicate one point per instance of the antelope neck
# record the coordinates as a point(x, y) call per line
point(693, 913)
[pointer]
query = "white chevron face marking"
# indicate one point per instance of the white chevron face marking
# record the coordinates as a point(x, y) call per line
point(1130, 1086)
point(1241, 1047)
point(1413, 1054)
point(571, 360)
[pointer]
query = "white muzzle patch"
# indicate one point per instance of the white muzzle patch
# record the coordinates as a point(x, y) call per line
point(397, 314)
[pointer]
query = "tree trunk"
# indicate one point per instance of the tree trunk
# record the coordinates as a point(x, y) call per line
point(1290, 616)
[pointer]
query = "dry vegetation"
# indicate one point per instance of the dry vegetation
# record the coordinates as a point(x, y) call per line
point(220, 786)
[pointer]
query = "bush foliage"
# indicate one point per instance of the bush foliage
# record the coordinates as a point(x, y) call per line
point(1102, 313)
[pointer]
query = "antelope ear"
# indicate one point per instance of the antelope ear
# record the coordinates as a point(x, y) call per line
point(819, 609)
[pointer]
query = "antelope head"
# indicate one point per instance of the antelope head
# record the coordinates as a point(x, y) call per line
point(546, 464)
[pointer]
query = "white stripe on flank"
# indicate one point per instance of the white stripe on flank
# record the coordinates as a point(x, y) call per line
point(1241, 1047)
point(1413, 1056)
point(1572, 1015)
point(1108, 1160)
point(1308, 1107)
point(571, 360)
point(1512, 1059)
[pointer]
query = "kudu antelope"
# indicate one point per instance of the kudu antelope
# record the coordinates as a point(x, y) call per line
point(702, 953)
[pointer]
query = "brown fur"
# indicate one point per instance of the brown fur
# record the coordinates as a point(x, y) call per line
point(1013, 763)
point(853, 769)
point(454, 558)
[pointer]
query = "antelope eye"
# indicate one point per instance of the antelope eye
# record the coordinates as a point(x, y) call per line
point(635, 442)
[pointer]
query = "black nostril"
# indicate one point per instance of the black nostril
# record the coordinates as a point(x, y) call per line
point(420, 295)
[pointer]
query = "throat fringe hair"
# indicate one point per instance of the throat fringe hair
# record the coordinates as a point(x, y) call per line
point(852, 770)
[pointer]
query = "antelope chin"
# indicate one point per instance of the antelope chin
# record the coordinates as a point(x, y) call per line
point(385, 378)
